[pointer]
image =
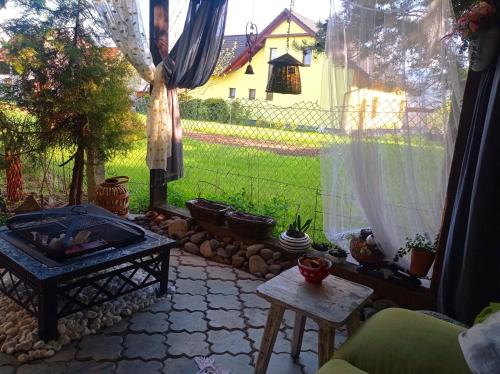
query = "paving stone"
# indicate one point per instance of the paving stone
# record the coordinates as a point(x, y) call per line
point(192, 287)
point(188, 321)
point(89, 367)
point(224, 301)
point(248, 285)
point(163, 304)
point(309, 362)
point(229, 319)
point(282, 344)
point(138, 366)
point(221, 272)
point(283, 363)
point(244, 275)
point(188, 344)
point(179, 365)
point(225, 341)
point(144, 346)
point(189, 302)
point(252, 300)
point(239, 364)
point(175, 252)
point(39, 368)
point(100, 347)
point(67, 353)
point(255, 317)
point(192, 272)
point(174, 261)
point(289, 321)
point(188, 259)
point(7, 369)
point(149, 322)
point(222, 287)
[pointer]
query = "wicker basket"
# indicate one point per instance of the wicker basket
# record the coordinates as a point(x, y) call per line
point(113, 195)
point(208, 211)
point(250, 226)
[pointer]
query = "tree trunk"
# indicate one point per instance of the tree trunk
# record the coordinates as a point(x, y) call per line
point(14, 178)
point(95, 172)
point(76, 186)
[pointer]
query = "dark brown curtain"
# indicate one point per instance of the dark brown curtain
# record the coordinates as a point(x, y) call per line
point(191, 63)
point(470, 277)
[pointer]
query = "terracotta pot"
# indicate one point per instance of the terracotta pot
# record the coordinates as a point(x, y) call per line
point(421, 262)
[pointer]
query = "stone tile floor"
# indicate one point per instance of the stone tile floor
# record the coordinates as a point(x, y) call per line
point(214, 312)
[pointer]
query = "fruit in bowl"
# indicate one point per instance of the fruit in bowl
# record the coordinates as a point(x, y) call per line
point(314, 268)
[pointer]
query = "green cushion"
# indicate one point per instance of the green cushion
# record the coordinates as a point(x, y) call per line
point(400, 341)
point(339, 367)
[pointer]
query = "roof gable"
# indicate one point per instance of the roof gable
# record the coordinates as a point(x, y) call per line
point(242, 57)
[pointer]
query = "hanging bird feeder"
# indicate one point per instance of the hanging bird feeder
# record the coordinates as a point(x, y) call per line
point(285, 75)
point(251, 34)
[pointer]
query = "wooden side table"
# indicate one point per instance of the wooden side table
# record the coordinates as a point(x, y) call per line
point(332, 304)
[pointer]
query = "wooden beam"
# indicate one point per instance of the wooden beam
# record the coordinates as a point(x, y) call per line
point(158, 44)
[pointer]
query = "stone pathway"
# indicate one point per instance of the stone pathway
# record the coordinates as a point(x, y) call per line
point(214, 312)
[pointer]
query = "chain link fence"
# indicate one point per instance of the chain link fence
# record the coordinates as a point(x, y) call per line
point(256, 156)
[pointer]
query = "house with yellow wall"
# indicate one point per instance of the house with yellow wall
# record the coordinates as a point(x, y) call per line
point(231, 82)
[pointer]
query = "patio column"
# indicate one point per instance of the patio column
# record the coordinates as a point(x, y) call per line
point(158, 42)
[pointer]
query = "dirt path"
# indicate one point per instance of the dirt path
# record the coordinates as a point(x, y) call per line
point(265, 145)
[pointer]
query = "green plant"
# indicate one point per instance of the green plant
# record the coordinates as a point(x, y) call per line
point(418, 243)
point(297, 229)
point(217, 110)
point(322, 247)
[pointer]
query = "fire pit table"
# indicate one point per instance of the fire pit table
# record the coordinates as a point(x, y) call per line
point(51, 292)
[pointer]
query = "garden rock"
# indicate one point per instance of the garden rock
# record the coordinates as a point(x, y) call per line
point(223, 253)
point(178, 229)
point(206, 249)
point(192, 248)
point(231, 249)
point(257, 264)
point(275, 269)
point(266, 253)
point(269, 276)
point(214, 243)
point(237, 261)
point(198, 237)
point(254, 250)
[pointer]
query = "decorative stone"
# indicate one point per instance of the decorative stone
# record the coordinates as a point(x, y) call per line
point(237, 261)
point(206, 249)
point(192, 248)
point(270, 261)
point(277, 255)
point(275, 269)
point(231, 249)
point(269, 276)
point(178, 229)
point(227, 240)
point(257, 264)
point(266, 253)
point(223, 253)
point(198, 237)
point(242, 254)
point(254, 250)
point(214, 243)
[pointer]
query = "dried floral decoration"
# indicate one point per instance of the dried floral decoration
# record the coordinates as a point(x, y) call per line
point(206, 366)
point(474, 20)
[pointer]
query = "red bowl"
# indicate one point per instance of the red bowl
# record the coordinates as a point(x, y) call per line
point(314, 268)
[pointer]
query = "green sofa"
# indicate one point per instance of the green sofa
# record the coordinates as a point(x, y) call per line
point(400, 341)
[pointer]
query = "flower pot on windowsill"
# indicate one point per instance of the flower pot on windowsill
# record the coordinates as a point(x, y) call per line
point(337, 256)
point(421, 262)
point(294, 244)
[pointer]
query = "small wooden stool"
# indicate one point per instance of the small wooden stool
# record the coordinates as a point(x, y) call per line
point(333, 303)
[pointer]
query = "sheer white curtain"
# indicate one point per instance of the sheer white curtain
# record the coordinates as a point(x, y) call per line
point(122, 19)
point(393, 87)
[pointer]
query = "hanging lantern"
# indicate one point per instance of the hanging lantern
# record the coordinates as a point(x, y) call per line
point(251, 34)
point(285, 75)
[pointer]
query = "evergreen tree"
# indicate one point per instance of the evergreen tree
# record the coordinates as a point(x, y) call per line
point(76, 88)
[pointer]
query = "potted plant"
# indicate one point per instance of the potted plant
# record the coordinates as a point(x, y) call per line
point(295, 240)
point(320, 249)
point(423, 253)
point(337, 255)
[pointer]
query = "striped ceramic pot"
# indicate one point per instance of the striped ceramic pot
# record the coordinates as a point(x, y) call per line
point(294, 245)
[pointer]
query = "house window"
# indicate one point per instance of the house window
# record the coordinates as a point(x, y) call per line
point(269, 96)
point(307, 57)
point(251, 94)
point(273, 53)
point(232, 93)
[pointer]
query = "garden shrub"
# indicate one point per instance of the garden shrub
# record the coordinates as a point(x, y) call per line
point(217, 110)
